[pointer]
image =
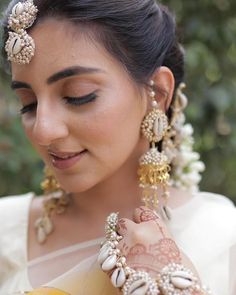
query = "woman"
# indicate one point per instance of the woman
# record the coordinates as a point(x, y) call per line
point(96, 80)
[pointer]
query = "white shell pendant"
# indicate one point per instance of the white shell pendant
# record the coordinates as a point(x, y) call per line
point(103, 255)
point(181, 280)
point(44, 227)
point(166, 213)
point(18, 9)
point(15, 45)
point(160, 126)
point(48, 225)
point(139, 287)
point(183, 100)
point(109, 263)
point(38, 222)
point(118, 278)
point(41, 235)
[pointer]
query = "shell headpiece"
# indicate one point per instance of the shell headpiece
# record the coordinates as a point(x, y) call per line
point(20, 47)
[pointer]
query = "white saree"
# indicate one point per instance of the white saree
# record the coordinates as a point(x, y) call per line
point(204, 228)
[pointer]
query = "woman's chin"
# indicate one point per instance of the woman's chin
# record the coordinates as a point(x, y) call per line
point(78, 186)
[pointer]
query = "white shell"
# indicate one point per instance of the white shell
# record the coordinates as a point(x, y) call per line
point(38, 222)
point(15, 45)
point(48, 225)
point(182, 273)
point(118, 278)
point(104, 253)
point(181, 279)
point(139, 287)
point(166, 213)
point(41, 235)
point(18, 9)
point(183, 101)
point(105, 246)
point(158, 127)
point(109, 263)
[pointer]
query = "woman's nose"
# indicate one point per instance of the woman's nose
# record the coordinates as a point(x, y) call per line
point(49, 126)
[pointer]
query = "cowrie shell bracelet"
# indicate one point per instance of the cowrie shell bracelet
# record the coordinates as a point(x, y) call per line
point(174, 279)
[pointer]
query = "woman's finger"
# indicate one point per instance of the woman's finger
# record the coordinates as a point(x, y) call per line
point(125, 225)
point(144, 214)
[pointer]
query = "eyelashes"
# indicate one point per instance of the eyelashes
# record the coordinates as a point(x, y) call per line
point(28, 108)
point(80, 100)
point(76, 101)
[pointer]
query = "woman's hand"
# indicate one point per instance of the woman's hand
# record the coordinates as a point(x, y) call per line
point(148, 245)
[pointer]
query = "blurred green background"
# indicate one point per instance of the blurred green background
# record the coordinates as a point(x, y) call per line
point(208, 33)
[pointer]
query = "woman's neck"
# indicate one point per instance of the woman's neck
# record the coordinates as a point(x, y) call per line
point(120, 192)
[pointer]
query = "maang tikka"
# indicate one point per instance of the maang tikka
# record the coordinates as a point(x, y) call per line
point(20, 46)
point(153, 166)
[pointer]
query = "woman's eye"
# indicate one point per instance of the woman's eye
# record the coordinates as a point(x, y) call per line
point(28, 108)
point(80, 100)
point(69, 100)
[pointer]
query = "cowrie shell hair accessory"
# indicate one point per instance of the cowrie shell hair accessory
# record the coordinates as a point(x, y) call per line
point(20, 47)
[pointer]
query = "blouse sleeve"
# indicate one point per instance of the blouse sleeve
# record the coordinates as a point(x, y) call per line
point(13, 235)
point(232, 270)
point(206, 232)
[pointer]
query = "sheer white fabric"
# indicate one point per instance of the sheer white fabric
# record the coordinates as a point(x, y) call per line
point(232, 271)
point(48, 268)
point(205, 229)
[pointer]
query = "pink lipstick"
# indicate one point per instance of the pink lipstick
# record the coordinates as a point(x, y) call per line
point(66, 160)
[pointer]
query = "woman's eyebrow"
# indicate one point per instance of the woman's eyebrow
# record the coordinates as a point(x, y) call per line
point(72, 71)
point(17, 85)
point(68, 72)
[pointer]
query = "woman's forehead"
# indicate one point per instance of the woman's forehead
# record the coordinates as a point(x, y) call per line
point(59, 45)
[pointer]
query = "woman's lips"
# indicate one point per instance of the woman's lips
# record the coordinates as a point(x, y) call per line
point(65, 161)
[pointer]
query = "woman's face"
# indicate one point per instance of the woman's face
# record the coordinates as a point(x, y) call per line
point(81, 111)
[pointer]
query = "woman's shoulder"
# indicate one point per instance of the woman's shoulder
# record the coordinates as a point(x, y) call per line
point(208, 216)
point(216, 199)
point(216, 214)
point(14, 211)
point(217, 206)
point(11, 205)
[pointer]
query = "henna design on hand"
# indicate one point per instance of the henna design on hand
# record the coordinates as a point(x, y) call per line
point(137, 249)
point(125, 248)
point(153, 259)
point(139, 259)
point(147, 215)
point(166, 248)
point(122, 225)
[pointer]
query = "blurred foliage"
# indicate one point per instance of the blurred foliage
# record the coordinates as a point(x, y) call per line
point(208, 33)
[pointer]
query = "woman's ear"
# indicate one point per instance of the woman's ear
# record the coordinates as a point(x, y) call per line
point(164, 86)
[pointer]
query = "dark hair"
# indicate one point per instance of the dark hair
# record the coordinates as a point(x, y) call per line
point(141, 34)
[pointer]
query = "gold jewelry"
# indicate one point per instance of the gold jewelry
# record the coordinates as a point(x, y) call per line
point(154, 169)
point(20, 47)
point(57, 201)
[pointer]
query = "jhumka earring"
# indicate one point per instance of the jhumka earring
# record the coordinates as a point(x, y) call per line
point(57, 200)
point(153, 166)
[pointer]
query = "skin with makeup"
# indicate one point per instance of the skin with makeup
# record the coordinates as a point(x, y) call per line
point(82, 111)
point(78, 118)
